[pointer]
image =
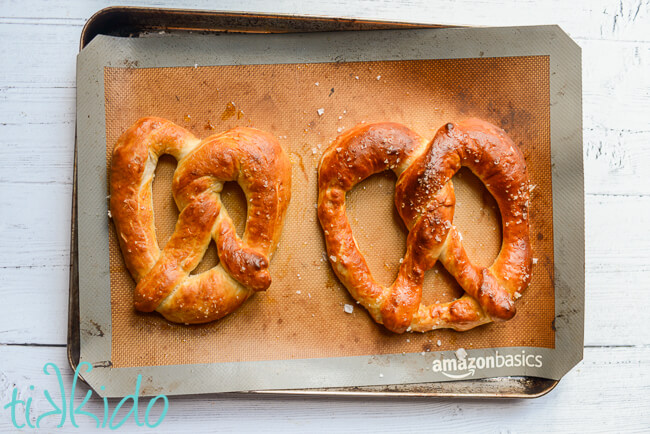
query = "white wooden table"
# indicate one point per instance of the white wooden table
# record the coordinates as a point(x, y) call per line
point(609, 391)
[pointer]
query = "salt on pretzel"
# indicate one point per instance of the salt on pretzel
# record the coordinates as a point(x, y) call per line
point(252, 158)
point(424, 197)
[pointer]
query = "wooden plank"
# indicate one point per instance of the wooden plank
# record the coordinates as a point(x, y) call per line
point(44, 290)
point(37, 105)
point(615, 161)
point(613, 314)
point(616, 238)
point(39, 55)
point(623, 20)
point(615, 89)
point(41, 134)
point(616, 98)
point(37, 154)
point(35, 225)
point(616, 241)
point(606, 392)
point(616, 262)
point(618, 245)
point(38, 297)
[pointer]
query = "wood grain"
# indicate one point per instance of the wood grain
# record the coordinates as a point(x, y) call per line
point(606, 392)
point(598, 395)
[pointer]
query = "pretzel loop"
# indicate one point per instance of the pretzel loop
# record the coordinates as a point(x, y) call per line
point(250, 157)
point(425, 200)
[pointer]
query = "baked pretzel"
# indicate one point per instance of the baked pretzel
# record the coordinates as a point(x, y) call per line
point(425, 200)
point(253, 159)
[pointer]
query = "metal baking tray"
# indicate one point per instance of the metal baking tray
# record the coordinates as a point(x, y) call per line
point(137, 22)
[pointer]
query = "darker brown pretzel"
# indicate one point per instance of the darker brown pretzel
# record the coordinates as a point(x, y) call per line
point(425, 200)
point(253, 159)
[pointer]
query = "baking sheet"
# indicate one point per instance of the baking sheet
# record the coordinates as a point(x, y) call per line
point(380, 191)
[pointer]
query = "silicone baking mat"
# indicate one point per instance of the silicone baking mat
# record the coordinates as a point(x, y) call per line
point(306, 106)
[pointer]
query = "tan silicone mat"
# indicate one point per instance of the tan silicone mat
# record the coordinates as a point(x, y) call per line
point(301, 315)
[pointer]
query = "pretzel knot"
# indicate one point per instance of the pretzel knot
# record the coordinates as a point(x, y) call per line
point(424, 197)
point(253, 159)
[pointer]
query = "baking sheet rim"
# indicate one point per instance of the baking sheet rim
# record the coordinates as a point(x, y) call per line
point(75, 264)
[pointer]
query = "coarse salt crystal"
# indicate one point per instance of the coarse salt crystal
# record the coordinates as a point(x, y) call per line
point(461, 354)
point(535, 260)
point(339, 129)
point(298, 292)
point(381, 375)
point(320, 111)
point(333, 258)
point(378, 77)
point(439, 342)
point(109, 214)
point(348, 308)
point(316, 83)
point(517, 295)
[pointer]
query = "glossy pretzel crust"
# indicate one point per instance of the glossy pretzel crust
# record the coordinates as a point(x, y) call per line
point(252, 158)
point(425, 200)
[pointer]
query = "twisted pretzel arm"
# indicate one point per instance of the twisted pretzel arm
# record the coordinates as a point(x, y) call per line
point(352, 157)
point(205, 297)
point(133, 164)
point(182, 253)
point(497, 161)
point(256, 161)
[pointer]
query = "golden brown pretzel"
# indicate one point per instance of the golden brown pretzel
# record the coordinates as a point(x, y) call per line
point(253, 159)
point(424, 197)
